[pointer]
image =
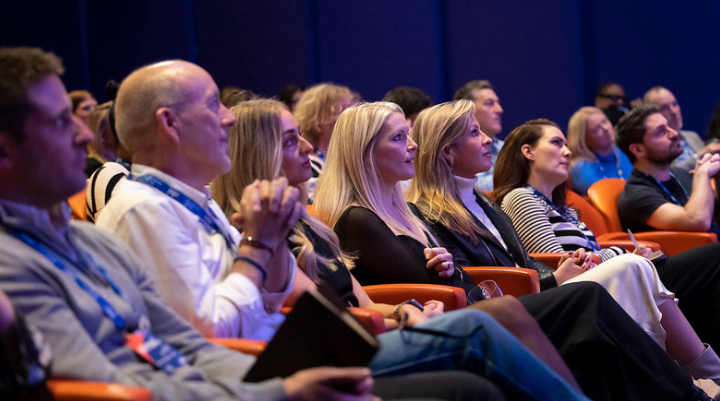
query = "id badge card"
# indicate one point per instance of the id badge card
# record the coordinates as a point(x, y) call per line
point(155, 351)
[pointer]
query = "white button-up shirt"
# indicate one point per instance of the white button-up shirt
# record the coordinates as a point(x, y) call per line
point(192, 268)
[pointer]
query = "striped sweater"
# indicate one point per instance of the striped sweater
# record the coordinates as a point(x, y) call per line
point(543, 229)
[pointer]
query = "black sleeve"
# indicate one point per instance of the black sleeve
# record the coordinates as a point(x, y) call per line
point(545, 272)
point(382, 257)
point(637, 203)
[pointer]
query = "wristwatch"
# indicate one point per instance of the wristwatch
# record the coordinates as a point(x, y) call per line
point(408, 302)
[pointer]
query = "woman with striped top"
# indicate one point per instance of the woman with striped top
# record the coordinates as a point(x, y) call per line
point(530, 184)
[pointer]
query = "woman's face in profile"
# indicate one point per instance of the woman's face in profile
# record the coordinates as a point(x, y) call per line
point(550, 158)
point(394, 153)
point(295, 151)
point(85, 108)
point(600, 134)
point(471, 154)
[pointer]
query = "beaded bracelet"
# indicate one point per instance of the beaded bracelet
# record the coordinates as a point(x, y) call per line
point(256, 243)
point(254, 263)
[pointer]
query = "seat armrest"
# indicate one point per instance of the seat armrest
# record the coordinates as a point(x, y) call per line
point(514, 281)
point(628, 245)
point(452, 297)
point(251, 347)
point(671, 242)
point(372, 320)
point(77, 390)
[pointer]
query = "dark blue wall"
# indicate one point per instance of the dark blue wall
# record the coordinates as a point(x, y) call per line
point(544, 61)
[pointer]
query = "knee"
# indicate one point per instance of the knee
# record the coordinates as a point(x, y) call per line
point(507, 310)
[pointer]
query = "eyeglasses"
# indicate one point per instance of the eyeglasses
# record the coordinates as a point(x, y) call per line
point(614, 98)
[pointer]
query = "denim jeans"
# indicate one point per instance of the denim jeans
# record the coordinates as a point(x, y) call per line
point(478, 344)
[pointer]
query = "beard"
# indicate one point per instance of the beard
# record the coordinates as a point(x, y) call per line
point(673, 152)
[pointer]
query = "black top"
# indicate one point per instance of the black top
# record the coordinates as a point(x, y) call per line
point(340, 279)
point(488, 251)
point(386, 258)
point(643, 195)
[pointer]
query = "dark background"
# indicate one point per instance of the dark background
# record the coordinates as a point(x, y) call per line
point(545, 59)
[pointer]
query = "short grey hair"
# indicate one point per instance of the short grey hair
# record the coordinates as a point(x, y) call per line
point(466, 91)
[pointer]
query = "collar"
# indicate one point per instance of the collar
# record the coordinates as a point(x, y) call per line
point(201, 198)
point(53, 222)
point(466, 189)
point(611, 158)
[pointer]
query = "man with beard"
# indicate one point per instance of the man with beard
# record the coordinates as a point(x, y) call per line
point(653, 198)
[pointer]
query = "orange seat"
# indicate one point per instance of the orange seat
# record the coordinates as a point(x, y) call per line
point(77, 204)
point(311, 210)
point(604, 195)
point(76, 390)
point(393, 294)
point(250, 347)
point(372, 320)
point(514, 281)
point(549, 258)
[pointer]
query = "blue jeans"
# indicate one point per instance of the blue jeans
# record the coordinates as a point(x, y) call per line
point(484, 347)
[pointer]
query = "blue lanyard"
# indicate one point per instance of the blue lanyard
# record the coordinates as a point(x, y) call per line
point(568, 217)
point(106, 307)
point(617, 166)
point(123, 163)
point(664, 188)
point(206, 220)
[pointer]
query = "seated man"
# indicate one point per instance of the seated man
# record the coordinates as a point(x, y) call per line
point(693, 147)
point(84, 290)
point(653, 198)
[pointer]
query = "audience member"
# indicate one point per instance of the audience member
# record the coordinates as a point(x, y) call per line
point(231, 95)
point(102, 182)
point(103, 146)
point(170, 118)
point(317, 111)
point(267, 130)
point(83, 103)
point(591, 138)
point(411, 100)
point(693, 147)
point(654, 199)
point(86, 291)
point(713, 129)
point(530, 183)
point(611, 94)
point(358, 196)
point(488, 112)
point(290, 95)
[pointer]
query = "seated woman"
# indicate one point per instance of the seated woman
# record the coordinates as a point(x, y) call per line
point(530, 185)
point(268, 138)
point(452, 151)
point(591, 138)
point(359, 196)
point(316, 111)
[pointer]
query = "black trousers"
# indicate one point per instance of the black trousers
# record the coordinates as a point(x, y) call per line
point(445, 385)
point(694, 277)
point(610, 356)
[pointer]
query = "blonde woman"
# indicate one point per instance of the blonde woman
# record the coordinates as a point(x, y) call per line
point(316, 112)
point(591, 138)
point(452, 151)
point(359, 196)
point(266, 143)
point(104, 146)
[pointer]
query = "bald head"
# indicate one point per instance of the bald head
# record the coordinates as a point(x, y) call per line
point(145, 91)
point(668, 105)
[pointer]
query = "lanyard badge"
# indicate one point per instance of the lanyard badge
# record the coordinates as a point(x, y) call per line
point(155, 351)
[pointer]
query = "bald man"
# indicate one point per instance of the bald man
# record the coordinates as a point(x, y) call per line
point(170, 118)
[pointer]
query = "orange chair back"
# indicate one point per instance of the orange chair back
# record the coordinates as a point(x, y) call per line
point(311, 210)
point(76, 390)
point(393, 294)
point(588, 214)
point(514, 281)
point(77, 203)
point(604, 196)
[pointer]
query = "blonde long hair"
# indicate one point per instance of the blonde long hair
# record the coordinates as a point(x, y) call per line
point(577, 133)
point(434, 189)
point(256, 151)
point(350, 176)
